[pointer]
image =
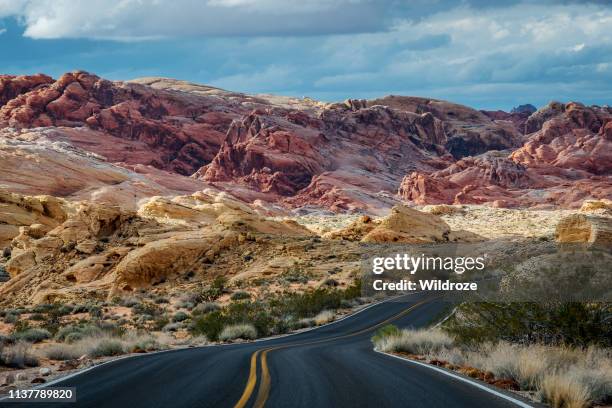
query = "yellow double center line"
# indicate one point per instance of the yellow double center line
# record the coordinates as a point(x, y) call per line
point(264, 386)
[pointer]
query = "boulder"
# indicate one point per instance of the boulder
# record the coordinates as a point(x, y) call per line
point(403, 225)
point(591, 230)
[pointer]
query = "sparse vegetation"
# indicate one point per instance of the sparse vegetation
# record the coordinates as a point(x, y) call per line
point(275, 315)
point(180, 317)
point(18, 355)
point(240, 295)
point(562, 376)
point(412, 341)
point(238, 331)
point(573, 323)
point(31, 335)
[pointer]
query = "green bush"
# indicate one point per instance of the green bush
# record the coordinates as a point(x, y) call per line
point(145, 308)
point(572, 323)
point(31, 335)
point(180, 316)
point(240, 295)
point(273, 316)
point(204, 308)
point(11, 318)
point(385, 331)
point(72, 333)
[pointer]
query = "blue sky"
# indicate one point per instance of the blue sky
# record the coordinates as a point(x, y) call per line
point(486, 54)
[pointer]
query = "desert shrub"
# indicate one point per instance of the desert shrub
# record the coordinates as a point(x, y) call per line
point(385, 331)
point(172, 327)
point(180, 316)
point(214, 291)
point(146, 308)
point(204, 308)
point(238, 331)
point(563, 376)
point(272, 316)
point(31, 335)
point(240, 295)
point(18, 355)
point(308, 304)
point(571, 323)
point(186, 305)
point(64, 310)
point(159, 322)
point(72, 333)
point(129, 301)
point(74, 337)
point(143, 343)
point(62, 352)
point(11, 317)
point(213, 323)
point(106, 347)
point(324, 316)
point(331, 282)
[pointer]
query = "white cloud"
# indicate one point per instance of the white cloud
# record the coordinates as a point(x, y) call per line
point(147, 19)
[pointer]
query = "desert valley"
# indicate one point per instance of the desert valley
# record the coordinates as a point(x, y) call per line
point(159, 213)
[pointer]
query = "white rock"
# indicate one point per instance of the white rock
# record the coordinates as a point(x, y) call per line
point(45, 371)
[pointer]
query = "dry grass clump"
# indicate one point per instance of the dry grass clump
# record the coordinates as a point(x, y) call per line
point(18, 355)
point(563, 377)
point(324, 317)
point(425, 341)
point(104, 345)
point(564, 391)
point(238, 331)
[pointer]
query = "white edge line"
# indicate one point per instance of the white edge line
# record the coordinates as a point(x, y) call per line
point(83, 371)
point(460, 378)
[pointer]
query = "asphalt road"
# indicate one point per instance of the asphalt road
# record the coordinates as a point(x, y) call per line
point(333, 366)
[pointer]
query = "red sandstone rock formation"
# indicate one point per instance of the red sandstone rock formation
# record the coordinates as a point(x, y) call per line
point(182, 132)
point(568, 160)
point(297, 152)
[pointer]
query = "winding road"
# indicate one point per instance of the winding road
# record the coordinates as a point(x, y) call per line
point(331, 366)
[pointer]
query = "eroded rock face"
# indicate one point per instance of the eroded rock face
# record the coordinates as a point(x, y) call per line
point(568, 160)
point(179, 132)
point(326, 159)
point(468, 131)
point(62, 248)
point(82, 137)
point(41, 214)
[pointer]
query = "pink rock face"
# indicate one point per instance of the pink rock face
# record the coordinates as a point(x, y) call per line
point(341, 158)
point(350, 156)
point(180, 131)
point(568, 160)
point(518, 119)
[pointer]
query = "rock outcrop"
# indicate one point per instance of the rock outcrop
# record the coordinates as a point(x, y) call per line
point(62, 249)
point(566, 161)
point(403, 225)
point(582, 229)
point(175, 131)
point(83, 137)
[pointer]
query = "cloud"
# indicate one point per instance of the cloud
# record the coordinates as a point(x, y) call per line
point(154, 19)
point(473, 51)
